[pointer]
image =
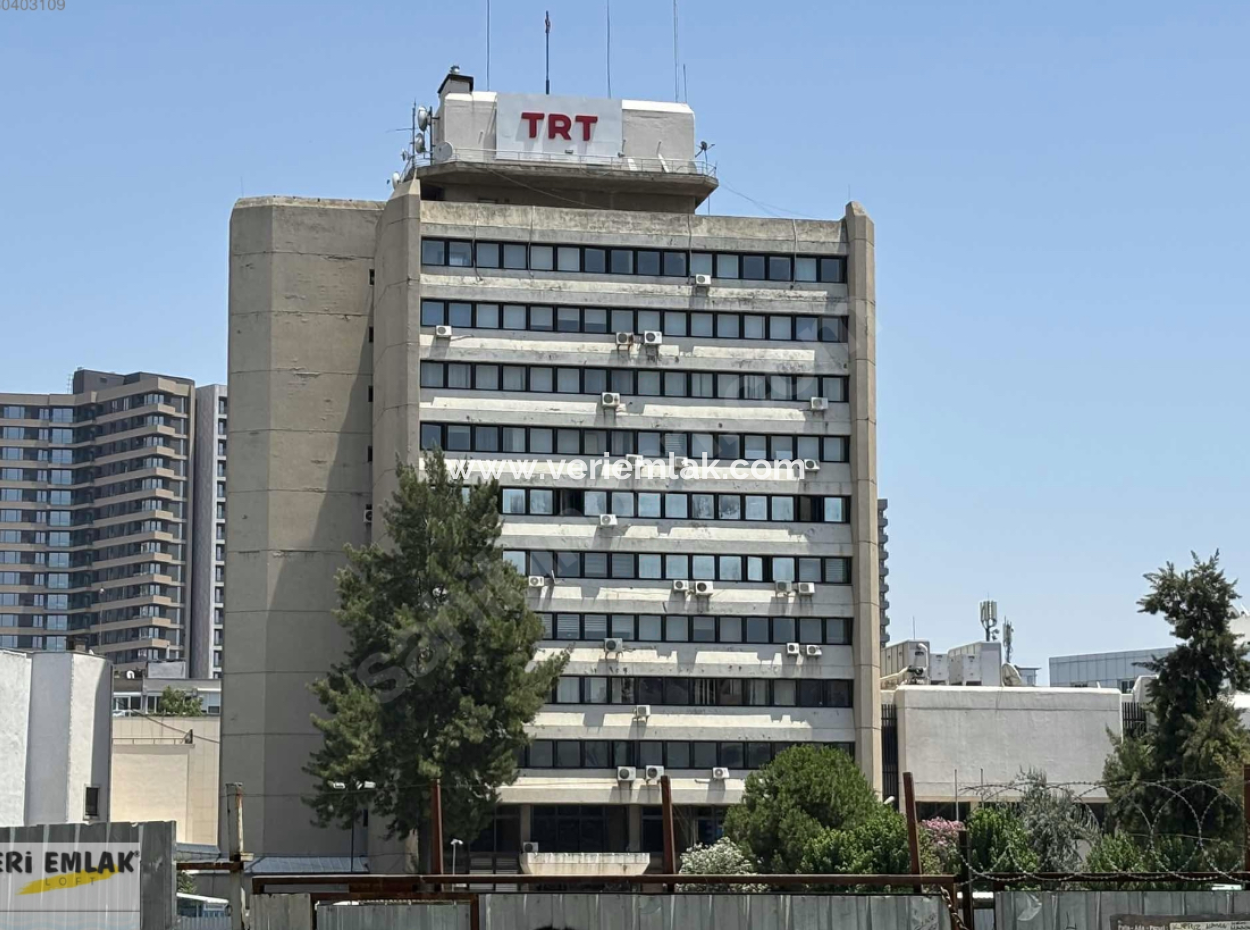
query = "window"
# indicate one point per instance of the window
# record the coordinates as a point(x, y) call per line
point(91, 802)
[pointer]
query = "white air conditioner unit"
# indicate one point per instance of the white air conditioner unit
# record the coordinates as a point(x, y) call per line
point(607, 519)
point(793, 649)
point(813, 652)
point(442, 332)
point(624, 339)
point(653, 337)
point(537, 581)
point(633, 457)
point(783, 587)
point(720, 773)
point(626, 773)
point(642, 711)
point(681, 587)
point(613, 644)
point(704, 588)
point(811, 465)
point(806, 588)
point(610, 399)
point(703, 280)
point(654, 772)
point(819, 403)
point(529, 847)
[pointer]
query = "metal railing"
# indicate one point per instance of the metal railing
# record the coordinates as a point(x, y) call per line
point(656, 165)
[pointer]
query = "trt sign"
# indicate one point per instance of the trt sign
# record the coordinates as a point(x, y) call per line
point(559, 128)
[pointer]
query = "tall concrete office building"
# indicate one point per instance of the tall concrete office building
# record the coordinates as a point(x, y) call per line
point(94, 517)
point(208, 563)
point(543, 291)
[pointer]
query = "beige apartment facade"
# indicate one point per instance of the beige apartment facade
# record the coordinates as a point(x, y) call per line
point(545, 307)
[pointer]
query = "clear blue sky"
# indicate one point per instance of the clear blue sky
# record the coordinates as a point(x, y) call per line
point(1060, 191)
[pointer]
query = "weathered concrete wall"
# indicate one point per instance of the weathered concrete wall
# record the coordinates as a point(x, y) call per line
point(157, 775)
point(14, 715)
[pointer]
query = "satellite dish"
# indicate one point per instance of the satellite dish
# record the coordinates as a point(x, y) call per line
point(423, 118)
point(419, 144)
point(443, 151)
point(395, 179)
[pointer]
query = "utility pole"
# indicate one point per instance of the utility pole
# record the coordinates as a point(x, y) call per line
point(235, 853)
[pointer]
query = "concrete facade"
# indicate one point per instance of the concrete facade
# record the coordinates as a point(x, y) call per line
point(55, 724)
point(337, 370)
point(95, 503)
point(956, 740)
point(208, 548)
point(167, 768)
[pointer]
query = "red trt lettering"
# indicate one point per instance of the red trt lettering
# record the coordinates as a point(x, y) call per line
point(558, 125)
point(533, 119)
point(586, 122)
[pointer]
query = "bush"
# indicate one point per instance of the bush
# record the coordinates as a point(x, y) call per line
point(724, 857)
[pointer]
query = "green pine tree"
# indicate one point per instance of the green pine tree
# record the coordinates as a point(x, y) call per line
point(175, 702)
point(1181, 780)
point(439, 680)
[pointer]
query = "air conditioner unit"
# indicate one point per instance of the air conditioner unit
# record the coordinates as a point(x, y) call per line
point(805, 588)
point(720, 773)
point(681, 587)
point(642, 711)
point(369, 514)
point(813, 652)
point(703, 280)
point(613, 644)
point(626, 773)
point(653, 337)
point(625, 339)
point(537, 581)
point(704, 588)
point(529, 847)
point(442, 332)
point(811, 465)
point(783, 587)
point(819, 403)
point(610, 399)
point(793, 649)
point(654, 772)
point(607, 519)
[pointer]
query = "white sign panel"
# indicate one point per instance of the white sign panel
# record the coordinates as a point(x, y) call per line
point(72, 885)
point(541, 127)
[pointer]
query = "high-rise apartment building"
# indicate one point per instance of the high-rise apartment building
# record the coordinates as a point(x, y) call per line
point(541, 292)
point(208, 564)
point(94, 517)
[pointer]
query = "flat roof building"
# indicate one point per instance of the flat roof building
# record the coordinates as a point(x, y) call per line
point(543, 290)
point(1103, 669)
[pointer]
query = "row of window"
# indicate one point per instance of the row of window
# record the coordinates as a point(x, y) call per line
point(37, 454)
point(35, 621)
point(544, 440)
point(776, 508)
point(40, 496)
point(50, 517)
point(670, 263)
point(678, 628)
point(703, 692)
point(36, 579)
point(44, 475)
point(51, 601)
point(672, 754)
point(47, 643)
point(21, 412)
point(52, 559)
point(673, 567)
point(60, 435)
point(701, 324)
point(35, 538)
point(545, 379)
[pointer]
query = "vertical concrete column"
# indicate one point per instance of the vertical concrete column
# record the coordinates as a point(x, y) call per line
point(862, 298)
point(635, 828)
point(527, 822)
point(396, 342)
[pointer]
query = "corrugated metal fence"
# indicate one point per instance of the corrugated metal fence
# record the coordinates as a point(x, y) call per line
point(1094, 910)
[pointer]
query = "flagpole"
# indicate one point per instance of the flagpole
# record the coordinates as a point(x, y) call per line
point(547, 29)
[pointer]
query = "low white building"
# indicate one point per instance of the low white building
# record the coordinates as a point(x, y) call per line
point(55, 732)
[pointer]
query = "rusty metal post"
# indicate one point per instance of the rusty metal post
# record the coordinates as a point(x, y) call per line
point(436, 830)
point(913, 830)
point(965, 869)
point(670, 841)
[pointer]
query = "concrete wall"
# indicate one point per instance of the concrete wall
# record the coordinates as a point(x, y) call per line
point(982, 735)
point(1096, 910)
point(299, 437)
point(157, 775)
point(14, 733)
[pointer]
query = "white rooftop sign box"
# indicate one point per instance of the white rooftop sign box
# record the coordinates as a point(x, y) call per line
point(557, 127)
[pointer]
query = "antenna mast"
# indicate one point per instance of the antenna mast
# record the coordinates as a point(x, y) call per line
point(609, 6)
point(676, 70)
point(547, 29)
point(488, 44)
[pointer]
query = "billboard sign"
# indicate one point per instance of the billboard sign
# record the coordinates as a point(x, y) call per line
point(72, 885)
point(557, 128)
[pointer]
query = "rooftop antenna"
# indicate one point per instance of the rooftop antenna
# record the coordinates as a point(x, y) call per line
point(1009, 632)
point(421, 117)
point(676, 77)
point(547, 29)
point(609, 9)
point(989, 620)
point(488, 44)
point(704, 146)
point(685, 85)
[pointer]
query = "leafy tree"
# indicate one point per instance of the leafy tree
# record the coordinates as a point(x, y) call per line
point(942, 837)
point(175, 702)
point(439, 680)
point(1182, 778)
point(803, 796)
point(724, 857)
point(186, 884)
point(998, 841)
point(876, 844)
point(1055, 823)
point(1118, 852)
